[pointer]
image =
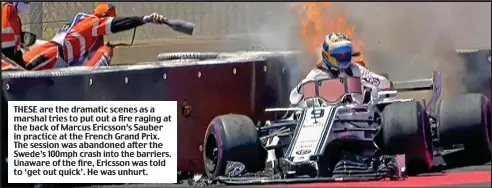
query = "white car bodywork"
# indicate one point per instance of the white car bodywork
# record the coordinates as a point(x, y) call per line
point(308, 140)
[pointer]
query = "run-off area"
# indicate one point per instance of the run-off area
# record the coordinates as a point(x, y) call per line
point(97, 142)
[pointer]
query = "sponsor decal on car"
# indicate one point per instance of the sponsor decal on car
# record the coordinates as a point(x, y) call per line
point(303, 152)
point(373, 81)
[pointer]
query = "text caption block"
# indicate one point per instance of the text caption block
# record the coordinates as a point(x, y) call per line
point(92, 142)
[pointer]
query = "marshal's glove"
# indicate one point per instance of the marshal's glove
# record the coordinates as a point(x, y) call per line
point(155, 18)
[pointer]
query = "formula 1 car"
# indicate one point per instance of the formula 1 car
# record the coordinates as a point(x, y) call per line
point(332, 137)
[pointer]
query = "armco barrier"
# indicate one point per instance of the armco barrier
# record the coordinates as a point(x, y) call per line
point(211, 88)
point(477, 78)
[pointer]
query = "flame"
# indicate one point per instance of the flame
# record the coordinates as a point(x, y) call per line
point(315, 24)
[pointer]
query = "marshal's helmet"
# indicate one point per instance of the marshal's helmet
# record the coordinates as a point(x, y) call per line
point(105, 10)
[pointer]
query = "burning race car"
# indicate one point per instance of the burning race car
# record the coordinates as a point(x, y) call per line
point(332, 137)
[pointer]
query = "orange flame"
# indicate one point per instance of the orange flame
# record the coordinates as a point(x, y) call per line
point(315, 24)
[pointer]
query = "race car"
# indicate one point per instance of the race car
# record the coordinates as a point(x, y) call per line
point(332, 137)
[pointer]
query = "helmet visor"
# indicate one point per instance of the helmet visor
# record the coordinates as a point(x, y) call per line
point(342, 55)
point(343, 59)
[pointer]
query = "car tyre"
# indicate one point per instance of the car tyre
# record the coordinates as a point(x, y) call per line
point(231, 137)
point(406, 130)
point(466, 120)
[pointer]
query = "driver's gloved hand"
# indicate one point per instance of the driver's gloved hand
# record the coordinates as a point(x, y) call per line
point(154, 18)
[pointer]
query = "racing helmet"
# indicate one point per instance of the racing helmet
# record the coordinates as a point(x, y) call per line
point(336, 51)
point(105, 10)
point(21, 6)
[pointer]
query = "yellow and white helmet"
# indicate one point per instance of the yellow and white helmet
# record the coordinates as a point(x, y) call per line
point(336, 51)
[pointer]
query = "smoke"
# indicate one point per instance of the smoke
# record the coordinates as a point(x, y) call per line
point(408, 40)
point(273, 27)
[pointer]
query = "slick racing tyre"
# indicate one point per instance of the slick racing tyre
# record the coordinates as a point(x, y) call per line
point(187, 55)
point(406, 130)
point(465, 120)
point(231, 138)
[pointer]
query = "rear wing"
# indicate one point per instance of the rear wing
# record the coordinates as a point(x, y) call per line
point(432, 84)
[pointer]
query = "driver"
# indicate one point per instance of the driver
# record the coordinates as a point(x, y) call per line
point(336, 56)
point(82, 37)
point(12, 33)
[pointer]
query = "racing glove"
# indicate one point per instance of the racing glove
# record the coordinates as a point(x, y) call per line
point(154, 18)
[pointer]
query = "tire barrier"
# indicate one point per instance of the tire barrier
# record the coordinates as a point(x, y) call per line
point(215, 55)
point(284, 69)
point(211, 87)
point(478, 71)
point(187, 55)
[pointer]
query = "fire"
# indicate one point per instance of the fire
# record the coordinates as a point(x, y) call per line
point(315, 24)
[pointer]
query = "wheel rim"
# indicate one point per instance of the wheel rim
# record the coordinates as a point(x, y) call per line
point(211, 154)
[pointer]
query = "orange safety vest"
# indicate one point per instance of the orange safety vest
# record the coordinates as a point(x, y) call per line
point(82, 36)
point(11, 27)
